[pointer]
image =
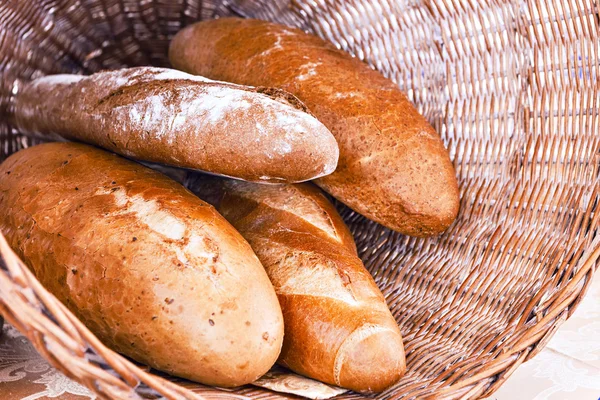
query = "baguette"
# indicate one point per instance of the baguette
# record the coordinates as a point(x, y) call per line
point(156, 273)
point(170, 117)
point(393, 166)
point(338, 328)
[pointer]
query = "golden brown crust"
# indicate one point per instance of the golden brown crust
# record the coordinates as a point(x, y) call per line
point(338, 328)
point(152, 270)
point(393, 167)
point(170, 117)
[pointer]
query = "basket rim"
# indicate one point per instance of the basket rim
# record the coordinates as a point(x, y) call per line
point(70, 347)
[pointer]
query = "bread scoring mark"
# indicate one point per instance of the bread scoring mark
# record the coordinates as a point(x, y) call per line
point(286, 198)
point(357, 336)
point(108, 82)
point(162, 116)
point(158, 113)
point(135, 115)
point(320, 281)
point(148, 212)
point(303, 273)
point(219, 101)
point(317, 215)
point(198, 251)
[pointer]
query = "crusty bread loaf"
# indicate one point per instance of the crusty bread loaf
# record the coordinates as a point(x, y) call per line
point(338, 328)
point(393, 166)
point(151, 269)
point(170, 117)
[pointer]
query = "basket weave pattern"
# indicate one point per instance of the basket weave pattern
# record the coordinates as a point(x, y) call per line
point(512, 87)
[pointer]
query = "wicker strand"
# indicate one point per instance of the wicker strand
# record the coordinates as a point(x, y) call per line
point(512, 87)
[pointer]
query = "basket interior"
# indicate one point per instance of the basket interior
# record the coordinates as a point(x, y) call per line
point(512, 88)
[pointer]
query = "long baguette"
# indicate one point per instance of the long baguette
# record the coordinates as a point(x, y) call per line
point(338, 328)
point(393, 166)
point(170, 117)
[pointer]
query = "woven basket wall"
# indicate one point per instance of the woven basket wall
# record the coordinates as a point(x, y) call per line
point(511, 86)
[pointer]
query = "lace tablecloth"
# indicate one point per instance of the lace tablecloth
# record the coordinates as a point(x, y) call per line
point(569, 366)
point(25, 375)
point(567, 369)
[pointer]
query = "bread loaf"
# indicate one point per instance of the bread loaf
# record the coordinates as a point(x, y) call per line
point(393, 166)
point(338, 328)
point(170, 117)
point(156, 273)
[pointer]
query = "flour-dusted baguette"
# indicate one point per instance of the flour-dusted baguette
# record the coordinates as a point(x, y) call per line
point(151, 269)
point(170, 117)
point(338, 328)
point(393, 166)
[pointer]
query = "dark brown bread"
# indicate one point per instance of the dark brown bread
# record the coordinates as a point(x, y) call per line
point(338, 328)
point(170, 117)
point(151, 269)
point(393, 166)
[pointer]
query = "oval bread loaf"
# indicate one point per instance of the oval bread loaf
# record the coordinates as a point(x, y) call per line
point(338, 328)
point(170, 117)
point(393, 166)
point(156, 273)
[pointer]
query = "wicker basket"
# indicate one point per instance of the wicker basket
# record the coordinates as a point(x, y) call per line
point(512, 87)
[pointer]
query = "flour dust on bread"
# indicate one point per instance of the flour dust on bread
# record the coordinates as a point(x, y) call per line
point(393, 166)
point(156, 273)
point(170, 117)
point(338, 328)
